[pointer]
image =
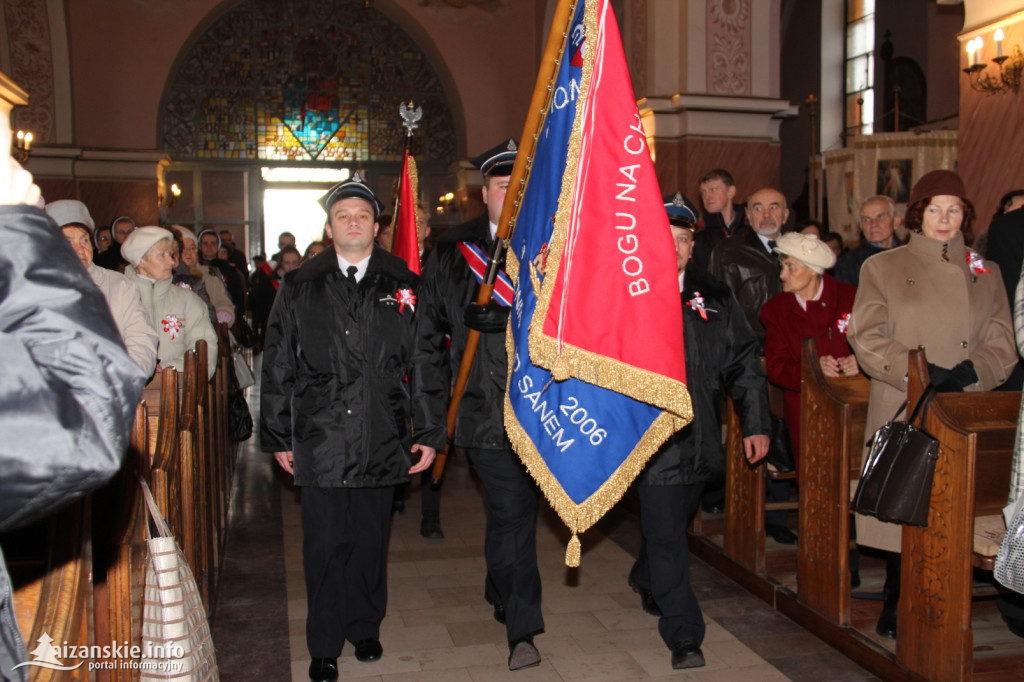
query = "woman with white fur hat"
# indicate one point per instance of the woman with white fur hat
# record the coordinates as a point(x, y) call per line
point(178, 315)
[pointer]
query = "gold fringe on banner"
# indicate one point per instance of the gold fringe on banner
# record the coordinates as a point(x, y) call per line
point(565, 360)
point(414, 182)
point(569, 361)
point(580, 517)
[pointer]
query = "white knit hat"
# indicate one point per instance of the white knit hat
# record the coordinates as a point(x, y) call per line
point(140, 241)
point(67, 211)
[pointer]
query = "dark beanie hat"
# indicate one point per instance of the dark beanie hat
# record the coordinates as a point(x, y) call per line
point(936, 183)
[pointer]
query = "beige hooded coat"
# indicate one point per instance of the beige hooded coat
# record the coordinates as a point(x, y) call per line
point(132, 320)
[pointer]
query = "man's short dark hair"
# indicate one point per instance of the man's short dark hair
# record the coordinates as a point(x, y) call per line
point(717, 174)
point(289, 249)
point(833, 237)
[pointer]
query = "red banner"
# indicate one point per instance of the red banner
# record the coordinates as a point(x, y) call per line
point(404, 243)
point(617, 271)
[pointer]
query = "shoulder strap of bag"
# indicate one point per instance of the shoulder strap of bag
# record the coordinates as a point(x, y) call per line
point(922, 405)
point(154, 512)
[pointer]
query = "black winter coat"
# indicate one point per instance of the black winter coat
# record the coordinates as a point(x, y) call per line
point(448, 286)
point(719, 350)
point(340, 379)
point(746, 267)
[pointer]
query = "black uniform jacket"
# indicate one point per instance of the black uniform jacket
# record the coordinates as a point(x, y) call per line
point(721, 350)
point(448, 286)
point(340, 378)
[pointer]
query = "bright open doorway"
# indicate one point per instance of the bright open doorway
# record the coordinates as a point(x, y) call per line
point(290, 203)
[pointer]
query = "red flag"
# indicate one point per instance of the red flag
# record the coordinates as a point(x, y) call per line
point(403, 242)
point(616, 268)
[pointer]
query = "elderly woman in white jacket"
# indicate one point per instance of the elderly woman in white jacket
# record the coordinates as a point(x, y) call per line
point(178, 315)
point(137, 332)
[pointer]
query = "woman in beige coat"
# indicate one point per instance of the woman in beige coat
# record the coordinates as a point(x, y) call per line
point(937, 295)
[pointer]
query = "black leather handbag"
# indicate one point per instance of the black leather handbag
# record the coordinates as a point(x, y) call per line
point(896, 481)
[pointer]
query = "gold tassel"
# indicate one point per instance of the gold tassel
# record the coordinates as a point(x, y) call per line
point(572, 552)
point(560, 369)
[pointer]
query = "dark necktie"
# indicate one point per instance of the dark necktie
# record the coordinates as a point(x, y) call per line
point(352, 270)
point(771, 245)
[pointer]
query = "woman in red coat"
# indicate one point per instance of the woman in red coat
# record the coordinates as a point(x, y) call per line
point(811, 305)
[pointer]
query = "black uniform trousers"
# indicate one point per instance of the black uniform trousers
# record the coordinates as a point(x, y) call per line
point(663, 565)
point(430, 495)
point(344, 553)
point(513, 579)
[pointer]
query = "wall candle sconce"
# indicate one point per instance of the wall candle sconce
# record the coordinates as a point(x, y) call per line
point(446, 203)
point(175, 192)
point(1010, 68)
point(22, 146)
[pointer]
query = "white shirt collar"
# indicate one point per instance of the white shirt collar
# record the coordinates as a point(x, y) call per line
point(494, 230)
point(682, 275)
point(765, 240)
point(343, 265)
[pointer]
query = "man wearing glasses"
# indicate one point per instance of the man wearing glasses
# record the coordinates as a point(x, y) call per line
point(878, 221)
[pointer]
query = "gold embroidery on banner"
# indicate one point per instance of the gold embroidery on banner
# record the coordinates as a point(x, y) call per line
point(645, 386)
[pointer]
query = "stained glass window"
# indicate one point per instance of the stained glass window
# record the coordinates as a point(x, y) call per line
point(301, 81)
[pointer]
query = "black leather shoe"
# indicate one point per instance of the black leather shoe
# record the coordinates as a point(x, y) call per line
point(430, 528)
point(369, 650)
point(1016, 625)
point(523, 654)
point(687, 655)
point(499, 610)
point(647, 602)
point(713, 508)
point(323, 669)
point(887, 623)
point(398, 507)
point(781, 534)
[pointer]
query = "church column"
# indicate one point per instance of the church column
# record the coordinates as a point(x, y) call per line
point(709, 72)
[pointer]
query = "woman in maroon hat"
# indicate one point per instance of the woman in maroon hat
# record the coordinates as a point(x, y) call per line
point(937, 295)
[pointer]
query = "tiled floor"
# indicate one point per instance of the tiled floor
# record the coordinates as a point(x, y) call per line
point(438, 626)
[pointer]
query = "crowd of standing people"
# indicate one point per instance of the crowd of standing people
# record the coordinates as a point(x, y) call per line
point(359, 351)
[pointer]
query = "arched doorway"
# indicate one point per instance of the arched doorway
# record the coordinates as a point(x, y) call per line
point(312, 84)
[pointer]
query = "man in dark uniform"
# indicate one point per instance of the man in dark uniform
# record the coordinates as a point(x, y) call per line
point(336, 406)
point(720, 349)
point(449, 295)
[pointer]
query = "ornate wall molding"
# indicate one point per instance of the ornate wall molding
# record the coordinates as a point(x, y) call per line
point(27, 28)
point(729, 47)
